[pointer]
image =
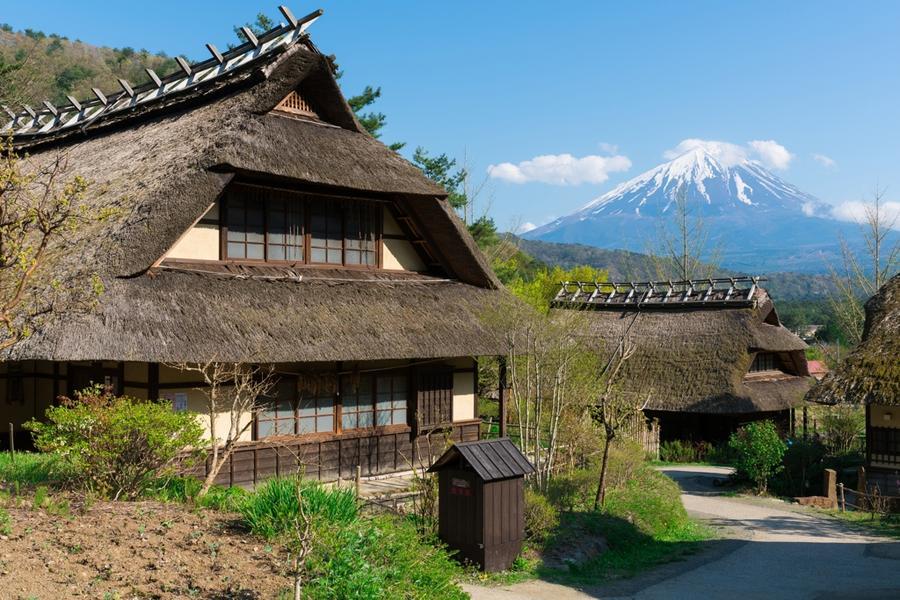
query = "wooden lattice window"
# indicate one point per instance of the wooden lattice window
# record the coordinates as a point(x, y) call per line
point(295, 103)
point(434, 398)
point(765, 361)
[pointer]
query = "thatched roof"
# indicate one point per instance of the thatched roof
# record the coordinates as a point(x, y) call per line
point(696, 359)
point(871, 373)
point(157, 168)
point(266, 314)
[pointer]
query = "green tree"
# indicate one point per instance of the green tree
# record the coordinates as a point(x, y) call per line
point(759, 450)
point(442, 170)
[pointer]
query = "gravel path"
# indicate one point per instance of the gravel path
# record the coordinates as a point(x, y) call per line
point(768, 549)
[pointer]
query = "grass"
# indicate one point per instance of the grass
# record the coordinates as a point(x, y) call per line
point(29, 469)
point(643, 522)
point(271, 511)
point(353, 556)
point(888, 526)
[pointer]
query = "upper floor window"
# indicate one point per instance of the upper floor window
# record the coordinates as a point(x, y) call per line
point(274, 226)
point(764, 361)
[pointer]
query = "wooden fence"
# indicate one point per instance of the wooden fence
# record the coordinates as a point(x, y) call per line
point(334, 458)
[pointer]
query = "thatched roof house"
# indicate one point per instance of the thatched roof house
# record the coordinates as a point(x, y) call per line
point(870, 376)
point(251, 218)
point(702, 348)
point(871, 373)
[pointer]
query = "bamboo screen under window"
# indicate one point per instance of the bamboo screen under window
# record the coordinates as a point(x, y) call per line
point(295, 103)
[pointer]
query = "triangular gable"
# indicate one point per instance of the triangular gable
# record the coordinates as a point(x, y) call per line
point(296, 103)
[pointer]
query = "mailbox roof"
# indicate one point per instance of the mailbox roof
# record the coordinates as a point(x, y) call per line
point(491, 459)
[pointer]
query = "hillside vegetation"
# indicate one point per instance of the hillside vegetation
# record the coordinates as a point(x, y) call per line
point(632, 266)
point(35, 66)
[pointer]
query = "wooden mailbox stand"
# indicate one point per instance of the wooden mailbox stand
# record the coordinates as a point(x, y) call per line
point(481, 498)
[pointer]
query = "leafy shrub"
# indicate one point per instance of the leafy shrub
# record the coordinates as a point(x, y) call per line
point(272, 510)
point(758, 451)
point(842, 428)
point(541, 517)
point(802, 470)
point(117, 446)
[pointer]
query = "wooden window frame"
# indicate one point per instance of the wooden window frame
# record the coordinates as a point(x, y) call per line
point(375, 427)
point(374, 207)
point(297, 418)
point(768, 358)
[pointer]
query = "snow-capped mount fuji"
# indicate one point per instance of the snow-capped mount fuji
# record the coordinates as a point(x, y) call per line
point(708, 182)
point(757, 221)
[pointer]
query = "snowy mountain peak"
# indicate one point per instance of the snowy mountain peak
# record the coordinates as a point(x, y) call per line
point(759, 220)
point(709, 175)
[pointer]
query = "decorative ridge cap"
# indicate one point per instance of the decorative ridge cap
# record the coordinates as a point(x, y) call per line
point(30, 124)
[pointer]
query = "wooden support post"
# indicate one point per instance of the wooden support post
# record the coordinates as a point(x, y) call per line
point(843, 499)
point(805, 423)
point(862, 488)
point(358, 479)
point(830, 487)
point(502, 395)
point(12, 444)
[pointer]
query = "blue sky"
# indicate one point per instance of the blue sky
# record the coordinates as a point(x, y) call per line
point(505, 82)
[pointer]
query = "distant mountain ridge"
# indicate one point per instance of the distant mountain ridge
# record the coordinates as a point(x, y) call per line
point(623, 265)
point(759, 222)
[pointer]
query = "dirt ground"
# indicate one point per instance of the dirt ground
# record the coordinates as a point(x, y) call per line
point(123, 550)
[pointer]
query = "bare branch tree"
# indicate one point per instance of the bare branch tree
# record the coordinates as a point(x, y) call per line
point(300, 542)
point(41, 208)
point(551, 377)
point(237, 390)
point(683, 250)
point(613, 408)
point(860, 277)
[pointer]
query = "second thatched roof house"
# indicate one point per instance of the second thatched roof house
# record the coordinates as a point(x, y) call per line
point(708, 355)
point(870, 376)
point(251, 218)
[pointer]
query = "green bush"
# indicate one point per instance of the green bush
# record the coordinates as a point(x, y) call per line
point(541, 517)
point(842, 428)
point(758, 451)
point(117, 446)
point(803, 467)
point(272, 510)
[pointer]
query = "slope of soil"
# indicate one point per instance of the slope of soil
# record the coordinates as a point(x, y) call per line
point(135, 550)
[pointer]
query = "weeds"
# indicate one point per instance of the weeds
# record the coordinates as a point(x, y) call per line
point(5, 522)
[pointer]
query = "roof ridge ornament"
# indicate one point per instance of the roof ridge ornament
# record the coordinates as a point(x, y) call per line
point(29, 124)
point(710, 292)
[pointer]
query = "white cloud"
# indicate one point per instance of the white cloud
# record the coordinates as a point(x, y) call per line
point(855, 212)
point(560, 169)
point(825, 161)
point(769, 152)
point(726, 153)
point(526, 227)
point(809, 209)
point(772, 154)
point(608, 148)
